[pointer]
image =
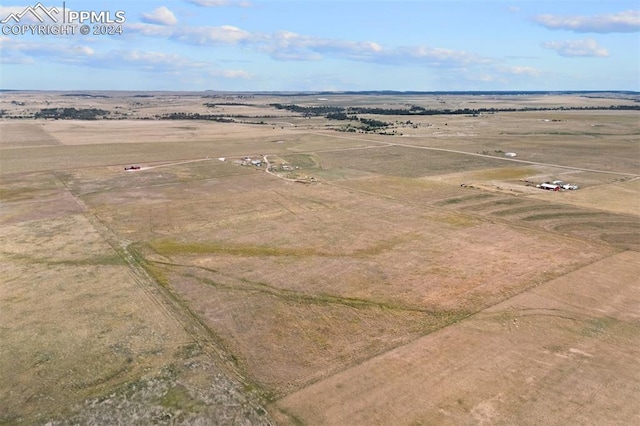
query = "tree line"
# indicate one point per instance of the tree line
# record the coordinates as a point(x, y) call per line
point(343, 113)
point(330, 112)
point(71, 113)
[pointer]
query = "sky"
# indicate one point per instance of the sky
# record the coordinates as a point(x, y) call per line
point(321, 45)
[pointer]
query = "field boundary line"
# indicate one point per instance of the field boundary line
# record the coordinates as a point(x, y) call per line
point(469, 316)
point(162, 297)
point(453, 151)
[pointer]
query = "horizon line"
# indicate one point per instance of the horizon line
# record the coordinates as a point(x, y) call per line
point(320, 92)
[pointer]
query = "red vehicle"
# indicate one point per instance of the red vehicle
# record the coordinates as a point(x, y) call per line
point(132, 168)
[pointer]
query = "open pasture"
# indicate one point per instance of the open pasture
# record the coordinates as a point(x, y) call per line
point(255, 258)
point(397, 260)
point(566, 350)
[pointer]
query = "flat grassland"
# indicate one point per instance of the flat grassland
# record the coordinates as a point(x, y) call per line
point(419, 278)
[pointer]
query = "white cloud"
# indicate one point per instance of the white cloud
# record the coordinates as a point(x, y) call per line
point(154, 60)
point(234, 74)
point(83, 50)
point(225, 34)
point(487, 78)
point(577, 48)
point(148, 30)
point(16, 51)
point(11, 54)
point(623, 22)
point(170, 64)
point(174, 64)
point(286, 45)
point(31, 50)
point(436, 56)
point(161, 16)
point(520, 70)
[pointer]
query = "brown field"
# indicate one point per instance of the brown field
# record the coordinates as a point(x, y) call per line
point(564, 352)
point(419, 278)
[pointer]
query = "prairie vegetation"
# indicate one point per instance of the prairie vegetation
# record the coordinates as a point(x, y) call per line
point(422, 264)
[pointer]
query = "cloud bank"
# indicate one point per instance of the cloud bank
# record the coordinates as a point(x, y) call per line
point(622, 22)
point(577, 48)
point(161, 16)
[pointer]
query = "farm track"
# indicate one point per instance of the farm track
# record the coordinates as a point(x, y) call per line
point(252, 287)
point(201, 333)
point(493, 157)
point(162, 297)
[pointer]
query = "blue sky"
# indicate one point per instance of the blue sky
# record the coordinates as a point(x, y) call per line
point(276, 45)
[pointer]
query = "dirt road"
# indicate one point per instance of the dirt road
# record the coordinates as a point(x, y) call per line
point(493, 157)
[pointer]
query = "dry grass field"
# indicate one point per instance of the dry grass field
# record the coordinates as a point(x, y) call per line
point(419, 278)
point(565, 352)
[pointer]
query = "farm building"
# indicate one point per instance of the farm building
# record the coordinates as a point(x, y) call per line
point(549, 186)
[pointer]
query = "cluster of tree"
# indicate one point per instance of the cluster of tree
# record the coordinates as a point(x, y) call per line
point(340, 116)
point(371, 124)
point(310, 110)
point(386, 111)
point(228, 96)
point(417, 110)
point(472, 92)
point(344, 113)
point(213, 105)
point(71, 113)
point(194, 116)
point(84, 95)
point(618, 107)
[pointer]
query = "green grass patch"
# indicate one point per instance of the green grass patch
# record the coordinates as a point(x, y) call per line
point(170, 247)
point(458, 200)
point(304, 161)
point(598, 326)
point(18, 194)
point(157, 273)
point(528, 208)
point(456, 220)
point(505, 173)
point(559, 215)
point(178, 398)
point(324, 299)
point(507, 202)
